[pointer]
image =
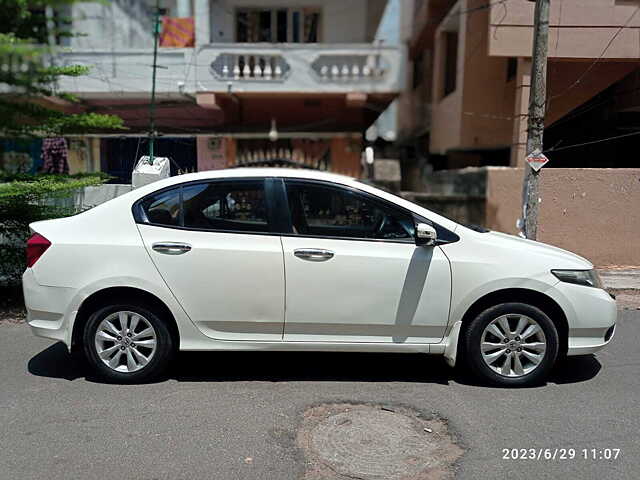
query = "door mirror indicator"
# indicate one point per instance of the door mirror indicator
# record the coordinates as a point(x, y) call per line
point(425, 235)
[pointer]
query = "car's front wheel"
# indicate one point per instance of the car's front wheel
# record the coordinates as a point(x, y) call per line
point(127, 343)
point(512, 344)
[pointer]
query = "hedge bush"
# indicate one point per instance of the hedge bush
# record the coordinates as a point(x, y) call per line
point(29, 198)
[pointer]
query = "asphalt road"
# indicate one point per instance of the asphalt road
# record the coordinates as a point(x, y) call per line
point(219, 409)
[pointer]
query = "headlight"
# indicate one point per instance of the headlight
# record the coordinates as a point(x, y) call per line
point(588, 278)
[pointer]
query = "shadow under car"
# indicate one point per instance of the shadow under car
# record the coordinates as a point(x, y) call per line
point(56, 362)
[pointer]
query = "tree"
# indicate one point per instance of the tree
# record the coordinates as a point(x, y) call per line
point(31, 105)
point(29, 98)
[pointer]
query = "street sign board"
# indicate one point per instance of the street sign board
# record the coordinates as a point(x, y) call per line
point(536, 160)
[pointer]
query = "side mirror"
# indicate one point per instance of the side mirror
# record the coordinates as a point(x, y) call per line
point(425, 235)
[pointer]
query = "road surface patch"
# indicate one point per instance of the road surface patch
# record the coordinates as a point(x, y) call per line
point(373, 442)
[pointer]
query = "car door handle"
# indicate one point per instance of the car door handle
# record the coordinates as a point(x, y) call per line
point(171, 248)
point(313, 254)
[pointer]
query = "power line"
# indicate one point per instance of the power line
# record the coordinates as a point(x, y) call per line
point(196, 130)
point(597, 60)
point(601, 140)
point(591, 105)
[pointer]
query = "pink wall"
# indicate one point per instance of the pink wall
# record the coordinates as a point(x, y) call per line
point(486, 110)
point(578, 29)
point(446, 121)
point(592, 212)
point(479, 113)
point(488, 99)
point(213, 152)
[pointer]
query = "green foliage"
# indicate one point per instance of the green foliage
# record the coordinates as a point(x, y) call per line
point(30, 198)
point(30, 78)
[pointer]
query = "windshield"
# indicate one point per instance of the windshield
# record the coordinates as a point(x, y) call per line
point(472, 226)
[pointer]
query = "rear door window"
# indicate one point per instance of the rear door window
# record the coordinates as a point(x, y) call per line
point(238, 206)
point(163, 208)
point(232, 206)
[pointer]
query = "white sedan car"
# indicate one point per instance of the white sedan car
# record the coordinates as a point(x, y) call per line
point(281, 259)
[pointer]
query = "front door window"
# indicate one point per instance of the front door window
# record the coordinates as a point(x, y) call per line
point(323, 211)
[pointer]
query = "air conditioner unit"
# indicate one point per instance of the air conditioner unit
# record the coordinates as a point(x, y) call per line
point(146, 172)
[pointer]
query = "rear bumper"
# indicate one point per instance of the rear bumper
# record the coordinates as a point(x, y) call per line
point(47, 309)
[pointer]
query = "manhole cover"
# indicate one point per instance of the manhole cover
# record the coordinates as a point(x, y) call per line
point(374, 442)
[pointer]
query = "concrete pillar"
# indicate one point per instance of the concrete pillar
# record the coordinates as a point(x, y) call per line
point(94, 157)
point(184, 8)
point(345, 156)
point(520, 113)
point(215, 152)
point(203, 22)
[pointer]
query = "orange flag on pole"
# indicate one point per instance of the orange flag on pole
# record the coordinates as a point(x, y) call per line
point(177, 32)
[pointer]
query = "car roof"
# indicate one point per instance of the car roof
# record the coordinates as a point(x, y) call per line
point(265, 172)
point(246, 172)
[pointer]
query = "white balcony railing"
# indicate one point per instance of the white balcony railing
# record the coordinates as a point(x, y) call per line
point(254, 67)
point(298, 67)
point(240, 67)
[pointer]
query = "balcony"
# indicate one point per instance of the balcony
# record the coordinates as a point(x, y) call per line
point(240, 67)
point(300, 68)
point(113, 73)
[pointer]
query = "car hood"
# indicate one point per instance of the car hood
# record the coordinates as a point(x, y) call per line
point(557, 257)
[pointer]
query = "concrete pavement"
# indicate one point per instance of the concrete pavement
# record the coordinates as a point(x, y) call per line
point(621, 279)
point(217, 410)
point(624, 283)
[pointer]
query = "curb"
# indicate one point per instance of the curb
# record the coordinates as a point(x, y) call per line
point(625, 280)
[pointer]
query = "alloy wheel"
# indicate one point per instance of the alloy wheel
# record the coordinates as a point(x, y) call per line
point(513, 345)
point(125, 341)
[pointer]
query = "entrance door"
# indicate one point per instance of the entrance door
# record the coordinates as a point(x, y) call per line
point(119, 155)
point(212, 243)
point(354, 273)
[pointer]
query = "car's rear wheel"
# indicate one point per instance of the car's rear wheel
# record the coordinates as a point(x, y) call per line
point(127, 343)
point(512, 344)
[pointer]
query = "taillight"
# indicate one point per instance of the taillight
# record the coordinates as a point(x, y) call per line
point(36, 246)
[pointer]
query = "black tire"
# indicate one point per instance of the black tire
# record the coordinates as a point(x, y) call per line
point(473, 338)
point(158, 362)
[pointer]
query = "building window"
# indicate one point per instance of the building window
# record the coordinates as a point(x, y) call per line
point(282, 25)
point(450, 62)
point(47, 29)
point(512, 68)
point(418, 70)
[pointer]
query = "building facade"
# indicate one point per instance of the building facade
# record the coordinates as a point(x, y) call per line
point(467, 98)
point(464, 109)
point(239, 82)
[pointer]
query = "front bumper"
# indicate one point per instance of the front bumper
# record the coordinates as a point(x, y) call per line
point(585, 345)
point(47, 309)
point(591, 315)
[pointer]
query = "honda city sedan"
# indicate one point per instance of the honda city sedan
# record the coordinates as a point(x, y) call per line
point(300, 260)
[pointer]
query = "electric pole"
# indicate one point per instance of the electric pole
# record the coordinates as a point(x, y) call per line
point(152, 106)
point(535, 123)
